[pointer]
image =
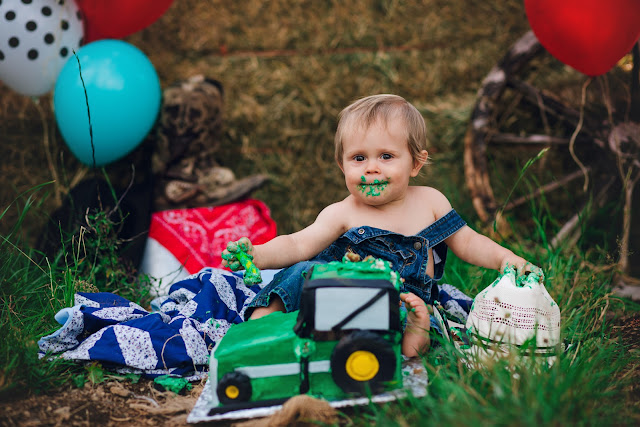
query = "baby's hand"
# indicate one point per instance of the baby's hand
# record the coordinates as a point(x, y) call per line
point(528, 268)
point(417, 311)
point(230, 255)
point(522, 267)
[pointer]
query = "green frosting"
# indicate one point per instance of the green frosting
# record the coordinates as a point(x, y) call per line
point(261, 338)
point(374, 189)
point(252, 274)
point(369, 268)
point(529, 280)
point(174, 384)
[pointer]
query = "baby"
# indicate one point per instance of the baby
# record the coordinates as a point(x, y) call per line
point(380, 144)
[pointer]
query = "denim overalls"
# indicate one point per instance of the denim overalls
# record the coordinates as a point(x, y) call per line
point(407, 254)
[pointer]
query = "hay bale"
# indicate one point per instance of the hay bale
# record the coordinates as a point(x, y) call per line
point(288, 68)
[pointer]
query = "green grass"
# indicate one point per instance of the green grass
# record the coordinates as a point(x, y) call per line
point(584, 390)
point(587, 385)
point(29, 297)
point(34, 289)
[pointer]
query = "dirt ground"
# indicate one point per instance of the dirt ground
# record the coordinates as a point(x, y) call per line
point(109, 403)
point(114, 403)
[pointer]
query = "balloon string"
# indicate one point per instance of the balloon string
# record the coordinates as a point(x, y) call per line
point(86, 98)
point(575, 135)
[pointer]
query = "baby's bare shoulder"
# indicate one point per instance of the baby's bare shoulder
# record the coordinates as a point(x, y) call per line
point(428, 194)
point(336, 213)
point(339, 208)
point(433, 198)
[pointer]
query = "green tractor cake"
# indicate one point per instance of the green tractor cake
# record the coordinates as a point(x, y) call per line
point(345, 340)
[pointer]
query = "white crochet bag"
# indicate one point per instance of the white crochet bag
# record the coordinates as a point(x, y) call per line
point(514, 312)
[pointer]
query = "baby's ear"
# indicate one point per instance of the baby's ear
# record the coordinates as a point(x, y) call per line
point(419, 162)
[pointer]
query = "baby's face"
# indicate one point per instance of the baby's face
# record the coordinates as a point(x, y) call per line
point(377, 163)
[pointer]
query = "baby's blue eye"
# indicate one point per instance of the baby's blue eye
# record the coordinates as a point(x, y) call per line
point(386, 156)
point(358, 158)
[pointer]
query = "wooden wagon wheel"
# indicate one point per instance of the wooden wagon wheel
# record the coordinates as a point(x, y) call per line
point(583, 140)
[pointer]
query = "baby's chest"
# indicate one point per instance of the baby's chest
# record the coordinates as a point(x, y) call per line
point(409, 224)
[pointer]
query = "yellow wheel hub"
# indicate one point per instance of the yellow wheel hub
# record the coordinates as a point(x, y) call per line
point(232, 392)
point(362, 365)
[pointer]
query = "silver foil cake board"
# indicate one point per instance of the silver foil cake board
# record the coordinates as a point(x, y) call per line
point(414, 377)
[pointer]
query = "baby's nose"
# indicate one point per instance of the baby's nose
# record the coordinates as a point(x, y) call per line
point(372, 167)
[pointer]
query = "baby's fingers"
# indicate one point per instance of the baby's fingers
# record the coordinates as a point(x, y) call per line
point(538, 272)
point(529, 268)
point(245, 244)
point(230, 260)
point(234, 265)
point(232, 247)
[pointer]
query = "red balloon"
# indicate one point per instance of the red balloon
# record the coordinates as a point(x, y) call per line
point(589, 35)
point(114, 19)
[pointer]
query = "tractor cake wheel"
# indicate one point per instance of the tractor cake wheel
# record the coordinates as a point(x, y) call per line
point(234, 387)
point(362, 358)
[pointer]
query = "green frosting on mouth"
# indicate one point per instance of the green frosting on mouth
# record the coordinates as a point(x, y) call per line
point(374, 189)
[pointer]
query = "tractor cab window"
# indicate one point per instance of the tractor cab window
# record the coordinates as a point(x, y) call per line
point(352, 308)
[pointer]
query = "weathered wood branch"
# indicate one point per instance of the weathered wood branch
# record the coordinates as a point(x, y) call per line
point(511, 138)
point(551, 105)
point(552, 186)
point(476, 138)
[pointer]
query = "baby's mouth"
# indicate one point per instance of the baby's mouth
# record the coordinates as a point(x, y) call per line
point(374, 188)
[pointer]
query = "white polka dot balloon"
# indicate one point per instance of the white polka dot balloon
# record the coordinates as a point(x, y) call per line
point(37, 37)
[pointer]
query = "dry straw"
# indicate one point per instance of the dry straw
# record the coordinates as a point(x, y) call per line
point(288, 68)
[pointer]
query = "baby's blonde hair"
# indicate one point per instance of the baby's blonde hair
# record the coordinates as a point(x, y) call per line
point(365, 112)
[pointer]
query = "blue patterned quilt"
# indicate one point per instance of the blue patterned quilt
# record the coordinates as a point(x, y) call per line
point(176, 338)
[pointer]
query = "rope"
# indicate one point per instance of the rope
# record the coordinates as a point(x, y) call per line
point(575, 135)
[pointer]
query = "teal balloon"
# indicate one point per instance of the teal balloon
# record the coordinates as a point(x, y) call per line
point(124, 97)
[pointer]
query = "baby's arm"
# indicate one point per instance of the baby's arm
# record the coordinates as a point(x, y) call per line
point(478, 249)
point(286, 250)
point(415, 340)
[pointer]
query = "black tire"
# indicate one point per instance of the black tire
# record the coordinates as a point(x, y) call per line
point(379, 360)
point(234, 387)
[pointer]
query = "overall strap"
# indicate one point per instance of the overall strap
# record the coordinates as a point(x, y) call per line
point(442, 228)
